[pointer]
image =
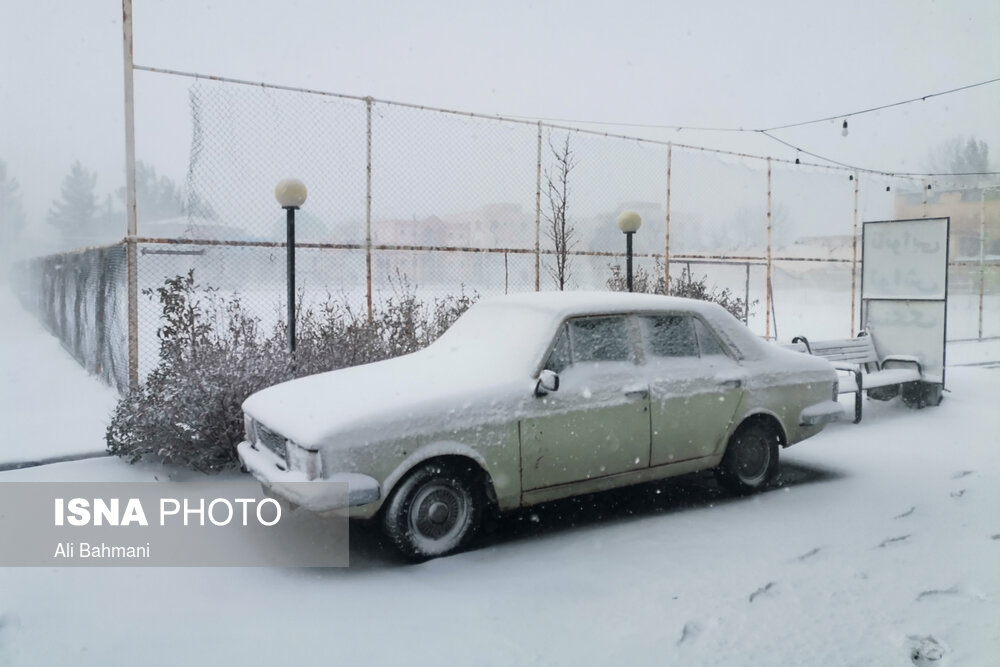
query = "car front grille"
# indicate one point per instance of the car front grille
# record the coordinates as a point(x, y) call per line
point(272, 440)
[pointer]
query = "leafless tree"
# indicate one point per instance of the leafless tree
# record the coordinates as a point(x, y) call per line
point(559, 231)
point(967, 159)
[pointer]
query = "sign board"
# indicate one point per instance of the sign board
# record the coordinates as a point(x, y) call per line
point(904, 289)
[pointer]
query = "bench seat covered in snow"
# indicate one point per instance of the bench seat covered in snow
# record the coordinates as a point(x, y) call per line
point(863, 370)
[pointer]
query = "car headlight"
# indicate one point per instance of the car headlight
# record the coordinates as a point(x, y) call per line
point(304, 460)
point(248, 430)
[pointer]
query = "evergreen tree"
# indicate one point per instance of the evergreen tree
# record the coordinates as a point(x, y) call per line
point(12, 218)
point(75, 214)
point(158, 197)
point(972, 158)
point(969, 159)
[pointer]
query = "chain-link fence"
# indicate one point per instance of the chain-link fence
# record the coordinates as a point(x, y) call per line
point(81, 298)
point(449, 201)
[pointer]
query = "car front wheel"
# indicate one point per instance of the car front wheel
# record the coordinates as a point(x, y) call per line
point(751, 459)
point(434, 511)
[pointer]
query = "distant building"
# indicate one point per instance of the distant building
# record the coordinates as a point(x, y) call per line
point(968, 209)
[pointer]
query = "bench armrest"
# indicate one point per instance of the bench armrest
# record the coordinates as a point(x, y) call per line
point(804, 341)
point(903, 359)
point(848, 366)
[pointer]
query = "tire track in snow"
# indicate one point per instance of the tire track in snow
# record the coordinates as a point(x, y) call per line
point(808, 554)
point(690, 632)
point(761, 591)
point(892, 540)
point(937, 592)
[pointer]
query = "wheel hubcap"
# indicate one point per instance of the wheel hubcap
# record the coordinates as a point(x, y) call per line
point(754, 459)
point(438, 513)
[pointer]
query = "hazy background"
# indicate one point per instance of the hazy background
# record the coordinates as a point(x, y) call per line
point(657, 63)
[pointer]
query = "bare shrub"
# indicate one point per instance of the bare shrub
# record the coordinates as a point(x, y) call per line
point(685, 286)
point(213, 355)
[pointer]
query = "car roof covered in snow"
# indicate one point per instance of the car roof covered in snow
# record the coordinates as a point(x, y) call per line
point(536, 314)
point(566, 304)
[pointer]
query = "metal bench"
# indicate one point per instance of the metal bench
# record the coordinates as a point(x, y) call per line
point(883, 378)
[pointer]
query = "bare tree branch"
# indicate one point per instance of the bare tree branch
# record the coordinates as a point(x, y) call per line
point(559, 231)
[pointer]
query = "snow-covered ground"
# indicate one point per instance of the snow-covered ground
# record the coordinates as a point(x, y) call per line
point(883, 541)
point(50, 406)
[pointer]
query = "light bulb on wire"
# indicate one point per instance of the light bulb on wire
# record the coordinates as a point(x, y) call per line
point(843, 132)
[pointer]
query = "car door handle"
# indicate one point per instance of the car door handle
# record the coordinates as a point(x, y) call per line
point(637, 393)
point(735, 383)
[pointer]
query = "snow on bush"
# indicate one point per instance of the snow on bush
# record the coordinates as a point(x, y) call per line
point(686, 287)
point(213, 355)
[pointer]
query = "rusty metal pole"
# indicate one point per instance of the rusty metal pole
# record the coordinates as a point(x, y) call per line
point(854, 256)
point(368, 204)
point(132, 269)
point(506, 275)
point(746, 297)
point(767, 296)
point(666, 247)
point(982, 256)
point(538, 212)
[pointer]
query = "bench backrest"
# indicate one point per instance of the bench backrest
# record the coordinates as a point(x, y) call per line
point(860, 350)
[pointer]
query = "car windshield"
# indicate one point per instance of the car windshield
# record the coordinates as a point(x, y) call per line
point(501, 337)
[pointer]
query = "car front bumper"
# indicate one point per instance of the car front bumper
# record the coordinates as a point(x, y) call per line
point(335, 492)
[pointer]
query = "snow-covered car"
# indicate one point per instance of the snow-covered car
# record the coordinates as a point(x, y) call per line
point(533, 397)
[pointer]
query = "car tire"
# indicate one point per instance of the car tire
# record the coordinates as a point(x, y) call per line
point(751, 459)
point(435, 511)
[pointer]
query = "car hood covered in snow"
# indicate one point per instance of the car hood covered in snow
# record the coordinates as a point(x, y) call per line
point(418, 389)
point(482, 363)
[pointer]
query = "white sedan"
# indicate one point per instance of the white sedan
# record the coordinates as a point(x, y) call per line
point(533, 397)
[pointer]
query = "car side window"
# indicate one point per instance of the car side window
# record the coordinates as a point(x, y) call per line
point(670, 336)
point(707, 341)
point(559, 358)
point(600, 339)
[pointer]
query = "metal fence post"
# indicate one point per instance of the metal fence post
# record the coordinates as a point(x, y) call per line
point(538, 212)
point(767, 296)
point(102, 266)
point(854, 256)
point(666, 246)
point(982, 255)
point(130, 234)
point(746, 297)
point(368, 204)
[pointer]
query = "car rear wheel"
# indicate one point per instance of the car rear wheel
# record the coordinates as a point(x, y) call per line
point(751, 459)
point(435, 511)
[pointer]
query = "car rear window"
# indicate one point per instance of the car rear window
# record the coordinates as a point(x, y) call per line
point(670, 336)
point(707, 341)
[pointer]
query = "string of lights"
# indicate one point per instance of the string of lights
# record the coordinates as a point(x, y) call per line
point(879, 108)
point(767, 131)
point(767, 134)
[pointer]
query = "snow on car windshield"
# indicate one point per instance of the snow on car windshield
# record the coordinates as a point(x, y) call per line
point(499, 336)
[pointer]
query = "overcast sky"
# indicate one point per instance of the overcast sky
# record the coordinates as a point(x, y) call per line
point(731, 64)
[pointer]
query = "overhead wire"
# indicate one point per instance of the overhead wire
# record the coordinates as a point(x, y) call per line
point(884, 106)
point(767, 131)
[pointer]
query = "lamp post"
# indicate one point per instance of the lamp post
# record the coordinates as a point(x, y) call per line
point(291, 194)
point(629, 222)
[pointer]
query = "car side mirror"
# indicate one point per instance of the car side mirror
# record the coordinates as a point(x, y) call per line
point(547, 381)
